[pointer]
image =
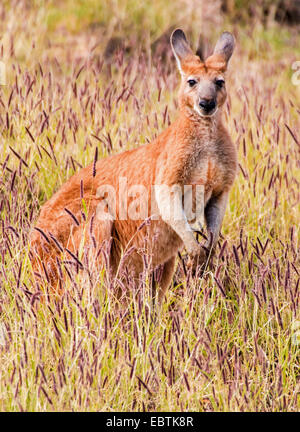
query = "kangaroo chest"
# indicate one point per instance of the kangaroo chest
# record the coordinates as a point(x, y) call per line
point(208, 171)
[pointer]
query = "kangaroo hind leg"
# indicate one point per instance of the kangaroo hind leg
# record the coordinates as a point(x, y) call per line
point(165, 280)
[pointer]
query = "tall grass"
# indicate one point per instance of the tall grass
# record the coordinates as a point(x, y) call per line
point(227, 341)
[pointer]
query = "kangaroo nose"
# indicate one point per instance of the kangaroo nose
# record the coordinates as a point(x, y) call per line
point(207, 104)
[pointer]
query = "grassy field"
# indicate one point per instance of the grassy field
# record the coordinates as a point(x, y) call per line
point(227, 342)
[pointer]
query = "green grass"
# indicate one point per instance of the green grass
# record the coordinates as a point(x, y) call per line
point(225, 342)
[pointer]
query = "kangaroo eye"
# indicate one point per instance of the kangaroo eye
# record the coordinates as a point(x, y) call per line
point(220, 83)
point(192, 82)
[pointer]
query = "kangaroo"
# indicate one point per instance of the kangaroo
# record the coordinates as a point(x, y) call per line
point(194, 150)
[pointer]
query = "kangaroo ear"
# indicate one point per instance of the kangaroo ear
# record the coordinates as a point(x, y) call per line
point(180, 46)
point(225, 46)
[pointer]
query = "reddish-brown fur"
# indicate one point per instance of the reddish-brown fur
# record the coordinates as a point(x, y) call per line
point(193, 150)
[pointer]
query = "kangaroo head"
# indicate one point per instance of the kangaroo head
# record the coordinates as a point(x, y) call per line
point(202, 89)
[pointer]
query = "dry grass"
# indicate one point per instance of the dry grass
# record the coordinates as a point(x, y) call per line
point(224, 342)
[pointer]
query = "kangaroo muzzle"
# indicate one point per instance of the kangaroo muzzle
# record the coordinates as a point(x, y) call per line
point(207, 105)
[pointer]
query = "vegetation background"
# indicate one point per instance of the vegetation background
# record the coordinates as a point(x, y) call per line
point(87, 74)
